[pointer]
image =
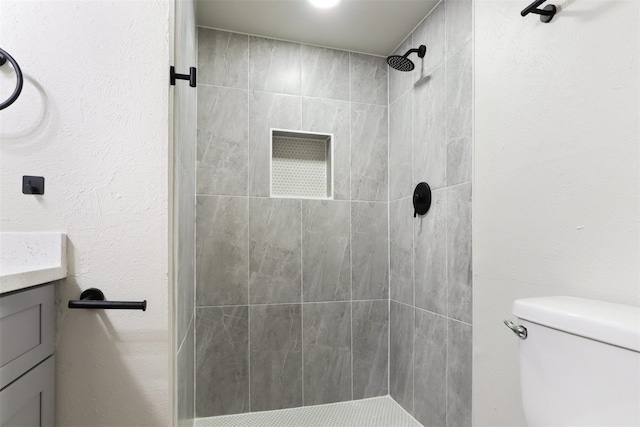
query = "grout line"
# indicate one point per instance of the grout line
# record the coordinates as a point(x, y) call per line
point(301, 299)
point(195, 222)
point(290, 303)
point(302, 198)
point(432, 312)
point(413, 238)
point(446, 226)
point(248, 223)
point(350, 235)
point(388, 238)
point(288, 94)
point(287, 41)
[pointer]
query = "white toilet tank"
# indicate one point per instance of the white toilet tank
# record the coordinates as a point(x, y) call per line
point(580, 362)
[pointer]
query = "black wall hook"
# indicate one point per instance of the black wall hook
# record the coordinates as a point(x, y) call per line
point(32, 184)
point(191, 76)
point(546, 14)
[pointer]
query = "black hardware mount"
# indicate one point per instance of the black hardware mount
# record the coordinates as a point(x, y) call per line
point(421, 199)
point(546, 14)
point(32, 184)
point(93, 298)
point(173, 76)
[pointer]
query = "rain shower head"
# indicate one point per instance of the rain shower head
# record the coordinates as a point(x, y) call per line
point(402, 63)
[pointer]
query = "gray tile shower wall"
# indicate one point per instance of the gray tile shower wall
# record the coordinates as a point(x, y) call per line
point(370, 329)
point(222, 227)
point(327, 347)
point(431, 331)
point(292, 294)
point(326, 250)
point(222, 374)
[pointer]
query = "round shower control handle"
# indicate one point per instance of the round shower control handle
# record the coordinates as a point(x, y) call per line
point(519, 330)
point(421, 199)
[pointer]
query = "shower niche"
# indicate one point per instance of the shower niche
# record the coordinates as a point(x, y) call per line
point(301, 164)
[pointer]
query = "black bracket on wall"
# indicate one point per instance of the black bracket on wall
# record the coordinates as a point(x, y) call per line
point(421, 199)
point(546, 14)
point(191, 76)
point(32, 184)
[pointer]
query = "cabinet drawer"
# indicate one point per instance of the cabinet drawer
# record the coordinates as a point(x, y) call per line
point(30, 401)
point(27, 327)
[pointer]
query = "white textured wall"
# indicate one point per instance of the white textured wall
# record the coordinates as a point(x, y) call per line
point(556, 203)
point(93, 119)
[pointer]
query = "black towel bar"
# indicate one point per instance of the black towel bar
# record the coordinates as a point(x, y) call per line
point(93, 298)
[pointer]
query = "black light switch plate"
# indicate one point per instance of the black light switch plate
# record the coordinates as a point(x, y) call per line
point(32, 184)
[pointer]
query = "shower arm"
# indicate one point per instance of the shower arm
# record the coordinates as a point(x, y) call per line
point(410, 51)
point(419, 50)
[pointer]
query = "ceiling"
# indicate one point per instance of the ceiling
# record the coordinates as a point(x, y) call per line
point(376, 27)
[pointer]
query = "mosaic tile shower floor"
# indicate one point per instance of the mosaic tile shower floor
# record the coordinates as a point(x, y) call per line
point(375, 412)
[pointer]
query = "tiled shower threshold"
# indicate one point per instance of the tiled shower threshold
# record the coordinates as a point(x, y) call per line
point(374, 412)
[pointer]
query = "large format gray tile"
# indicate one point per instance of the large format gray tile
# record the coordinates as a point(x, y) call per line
point(429, 137)
point(458, 24)
point(459, 263)
point(369, 249)
point(267, 111)
point(401, 324)
point(222, 346)
point(402, 81)
point(430, 256)
point(431, 33)
point(325, 72)
point(459, 116)
point(222, 226)
point(327, 352)
point(369, 152)
point(326, 250)
point(430, 367)
point(401, 147)
point(459, 348)
point(223, 58)
point(369, 83)
point(222, 141)
point(370, 348)
point(274, 66)
point(276, 356)
point(401, 250)
point(331, 116)
point(274, 251)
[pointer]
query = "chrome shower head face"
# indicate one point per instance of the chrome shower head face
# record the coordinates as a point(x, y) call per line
point(402, 63)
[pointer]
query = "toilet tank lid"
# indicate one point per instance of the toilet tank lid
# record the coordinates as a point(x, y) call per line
point(611, 323)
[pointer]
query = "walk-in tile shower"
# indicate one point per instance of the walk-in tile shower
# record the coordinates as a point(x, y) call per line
point(336, 293)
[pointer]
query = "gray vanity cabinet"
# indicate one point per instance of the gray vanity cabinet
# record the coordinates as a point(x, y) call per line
point(27, 366)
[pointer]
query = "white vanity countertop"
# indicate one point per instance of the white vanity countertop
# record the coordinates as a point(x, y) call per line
point(30, 259)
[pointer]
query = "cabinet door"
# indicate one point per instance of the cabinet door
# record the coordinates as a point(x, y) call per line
point(30, 401)
point(27, 328)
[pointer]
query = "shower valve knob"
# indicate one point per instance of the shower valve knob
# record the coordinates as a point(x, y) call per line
point(421, 199)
